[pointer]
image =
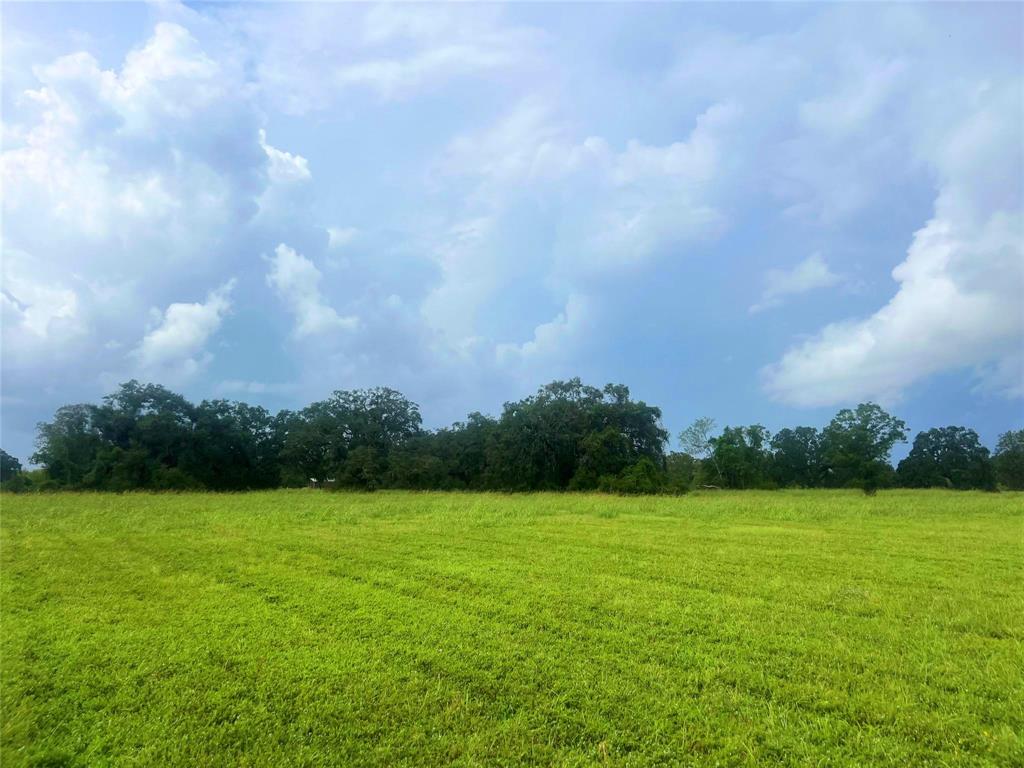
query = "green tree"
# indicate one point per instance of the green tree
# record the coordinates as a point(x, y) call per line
point(9, 466)
point(740, 454)
point(681, 470)
point(317, 441)
point(856, 445)
point(950, 457)
point(67, 446)
point(539, 442)
point(236, 447)
point(152, 430)
point(1009, 459)
point(796, 457)
point(697, 440)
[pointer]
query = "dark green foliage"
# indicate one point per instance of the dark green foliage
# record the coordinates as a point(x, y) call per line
point(950, 457)
point(236, 446)
point(34, 480)
point(796, 457)
point(9, 466)
point(681, 471)
point(317, 441)
point(67, 447)
point(567, 436)
point(740, 457)
point(641, 477)
point(568, 428)
point(856, 445)
point(1009, 460)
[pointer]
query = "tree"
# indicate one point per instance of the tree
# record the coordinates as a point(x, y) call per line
point(542, 441)
point(740, 455)
point(680, 472)
point(236, 447)
point(603, 453)
point(856, 446)
point(9, 466)
point(796, 457)
point(145, 429)
point(950, 457)
point(67, 446)
point(1009, 460)
point(697, 440)
point(318, 440)
point(641, 477)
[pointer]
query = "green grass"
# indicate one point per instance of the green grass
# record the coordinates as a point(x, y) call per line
point(308, 628)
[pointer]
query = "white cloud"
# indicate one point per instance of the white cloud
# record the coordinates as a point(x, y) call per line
point(285, 168)
point(550, 339)
point(123, 188)
point(810, 274)
point(339, 237)
point(307, 55)
point(176, 348)
point(618, 209)
point(958, 303)
point(297, 281)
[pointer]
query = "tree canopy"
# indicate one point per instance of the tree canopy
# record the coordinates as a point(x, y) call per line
point(566, 436)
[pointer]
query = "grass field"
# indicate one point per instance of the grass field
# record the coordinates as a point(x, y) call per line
point(310, 628)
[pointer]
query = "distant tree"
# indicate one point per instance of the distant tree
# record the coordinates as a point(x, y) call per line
point(420, 464)
point(698, 441)
point(606, 452)
point(681, 471)
point(364, 468)
point(950, 457)
point(145, 429)
point(317, 440)
point(796, 457)
point(856, 446)
point(463, 449)
point(9, 466)
point(67, 447)
point(1009, 459)
point(641, 477)
point(740, 454)
point(542, 441)
point(237, 446)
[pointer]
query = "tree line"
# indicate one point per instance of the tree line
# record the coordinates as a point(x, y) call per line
point(567, 436)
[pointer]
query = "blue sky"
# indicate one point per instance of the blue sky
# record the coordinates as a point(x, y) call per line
point(760, 213)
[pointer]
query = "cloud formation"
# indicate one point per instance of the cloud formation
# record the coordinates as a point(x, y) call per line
point(297, 282)
point(476, 200)
point(958, 302)
point(175, 349)
point(810, 274)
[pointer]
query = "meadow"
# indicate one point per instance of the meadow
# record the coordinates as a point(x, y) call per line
point(312, 628)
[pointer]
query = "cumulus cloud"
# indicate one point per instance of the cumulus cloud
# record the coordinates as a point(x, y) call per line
point(618, 209)
point(550, 338)
point(285, 167)
point(123, 188)
point(958, 302)
point(309, 55)
point(297, 282)
point(175, 349)
point(810, 274)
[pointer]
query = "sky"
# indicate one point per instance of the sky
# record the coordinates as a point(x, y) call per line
point(762, 213)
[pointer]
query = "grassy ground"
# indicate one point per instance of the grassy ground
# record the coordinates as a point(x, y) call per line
point(310, 628)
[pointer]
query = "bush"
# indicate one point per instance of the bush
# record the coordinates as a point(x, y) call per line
point(32, 481)
point(174, 479)
point(643, 477)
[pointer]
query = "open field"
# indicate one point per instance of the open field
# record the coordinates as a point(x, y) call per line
point(309, 628)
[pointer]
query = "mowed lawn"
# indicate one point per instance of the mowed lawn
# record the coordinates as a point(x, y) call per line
point(316, 628)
